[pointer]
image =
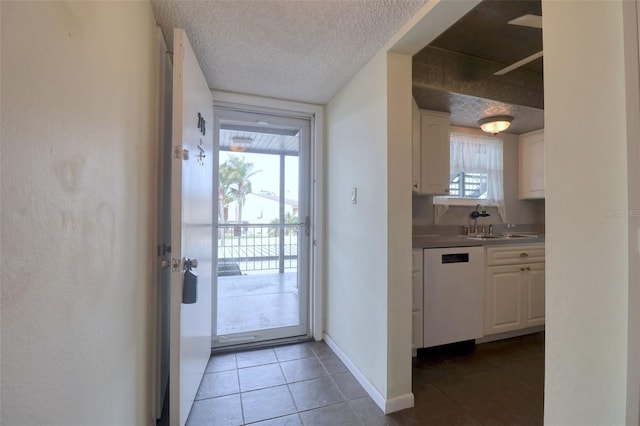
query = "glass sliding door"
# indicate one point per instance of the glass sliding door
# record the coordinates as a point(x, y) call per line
point(262, 289)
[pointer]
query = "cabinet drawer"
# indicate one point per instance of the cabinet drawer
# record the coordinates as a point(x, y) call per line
point(509, 255)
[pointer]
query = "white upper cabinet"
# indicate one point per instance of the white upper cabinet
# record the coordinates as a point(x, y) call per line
point(430, 152)
point(415, 148)
point(532, 179)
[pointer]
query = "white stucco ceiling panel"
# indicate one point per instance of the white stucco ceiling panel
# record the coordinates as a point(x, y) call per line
point(301, 50)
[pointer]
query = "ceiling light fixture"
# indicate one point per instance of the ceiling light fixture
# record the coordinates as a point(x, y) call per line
point(240, 143)
point(495, 124)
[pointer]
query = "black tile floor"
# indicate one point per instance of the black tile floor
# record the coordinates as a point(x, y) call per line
point(498, 383)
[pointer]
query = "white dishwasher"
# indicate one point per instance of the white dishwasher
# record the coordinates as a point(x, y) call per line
point(453, 295)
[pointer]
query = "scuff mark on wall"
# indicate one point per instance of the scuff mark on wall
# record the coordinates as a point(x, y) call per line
point(70, 173)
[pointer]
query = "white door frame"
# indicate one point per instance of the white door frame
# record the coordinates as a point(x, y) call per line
point(316, 261)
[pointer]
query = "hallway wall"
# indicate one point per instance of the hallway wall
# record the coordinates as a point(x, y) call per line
point(77, 165)
point(590, 130)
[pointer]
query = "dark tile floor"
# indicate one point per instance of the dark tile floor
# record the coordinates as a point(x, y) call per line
point(498, 383)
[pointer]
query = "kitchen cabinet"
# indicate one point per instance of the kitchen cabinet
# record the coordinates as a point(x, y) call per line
point(430, 144)
point(515, 288)
point(417, 288)
point(532, 165)
point(415, 148)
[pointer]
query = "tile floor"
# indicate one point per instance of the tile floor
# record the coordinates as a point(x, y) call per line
point(498, 383)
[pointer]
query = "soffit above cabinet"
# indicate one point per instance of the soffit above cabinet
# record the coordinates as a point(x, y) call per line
point(455, 73)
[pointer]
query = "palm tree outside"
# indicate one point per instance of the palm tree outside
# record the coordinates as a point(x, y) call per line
point(235, 184)
point(240, 172)
point(225, 197)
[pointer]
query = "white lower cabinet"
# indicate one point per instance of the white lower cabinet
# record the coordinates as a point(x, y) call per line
point(514, 293)
point(417, 289)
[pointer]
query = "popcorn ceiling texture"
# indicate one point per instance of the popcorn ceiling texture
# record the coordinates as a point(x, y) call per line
point(296, 50)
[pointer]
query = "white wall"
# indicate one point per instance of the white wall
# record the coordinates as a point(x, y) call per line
point(399, 266)
point(356, 234)
point(631, 12)
point(78, 155)
point(368, 244)
point(587, 205)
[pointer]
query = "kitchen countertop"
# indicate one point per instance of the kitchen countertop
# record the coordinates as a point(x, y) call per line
point(437, 241)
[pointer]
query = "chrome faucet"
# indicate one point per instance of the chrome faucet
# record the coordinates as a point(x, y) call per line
point(478, 212)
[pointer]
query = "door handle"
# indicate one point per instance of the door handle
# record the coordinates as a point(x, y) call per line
point(165, 263)
point(307, 226)
point(189, 263)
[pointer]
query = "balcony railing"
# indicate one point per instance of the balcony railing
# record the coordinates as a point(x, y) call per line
point(256, 247)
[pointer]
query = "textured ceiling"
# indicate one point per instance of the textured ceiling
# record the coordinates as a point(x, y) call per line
point(306, 50)
point(303, 50)
point(455, 73)
point(467, 110)
point(485, 33)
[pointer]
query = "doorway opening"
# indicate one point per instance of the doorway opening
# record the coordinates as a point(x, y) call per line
point(263, 228)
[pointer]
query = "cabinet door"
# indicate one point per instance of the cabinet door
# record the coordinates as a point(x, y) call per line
point(434, 155)
point(417, 334)
point(415, 149)
point(503, 299)
point(533, 283)
point(417, 276)
point(532, 176)
point(417, 287)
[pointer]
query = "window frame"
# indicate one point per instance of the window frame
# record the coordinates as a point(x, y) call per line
point(467, 201)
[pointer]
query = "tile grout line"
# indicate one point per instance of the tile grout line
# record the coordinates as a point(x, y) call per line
point(288, 387)
point(239, 389)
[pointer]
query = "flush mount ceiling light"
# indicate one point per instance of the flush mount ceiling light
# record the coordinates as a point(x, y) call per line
point(495, 124)
point(240, 143)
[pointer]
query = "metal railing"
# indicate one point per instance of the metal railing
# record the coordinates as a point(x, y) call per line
point(250, 247)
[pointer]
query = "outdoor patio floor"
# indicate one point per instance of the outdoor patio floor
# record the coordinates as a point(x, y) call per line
point(257, 301)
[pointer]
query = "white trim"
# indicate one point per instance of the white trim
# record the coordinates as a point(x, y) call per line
point(427, 24)
point(472, 202)
point(316, 113)
point(386, 405)
point(399, 403)
point(295, 108)
point(510, 334)
point(377, 397)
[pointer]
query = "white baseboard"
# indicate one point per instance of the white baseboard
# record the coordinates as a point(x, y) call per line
point(399, 403)
point(386, 405)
